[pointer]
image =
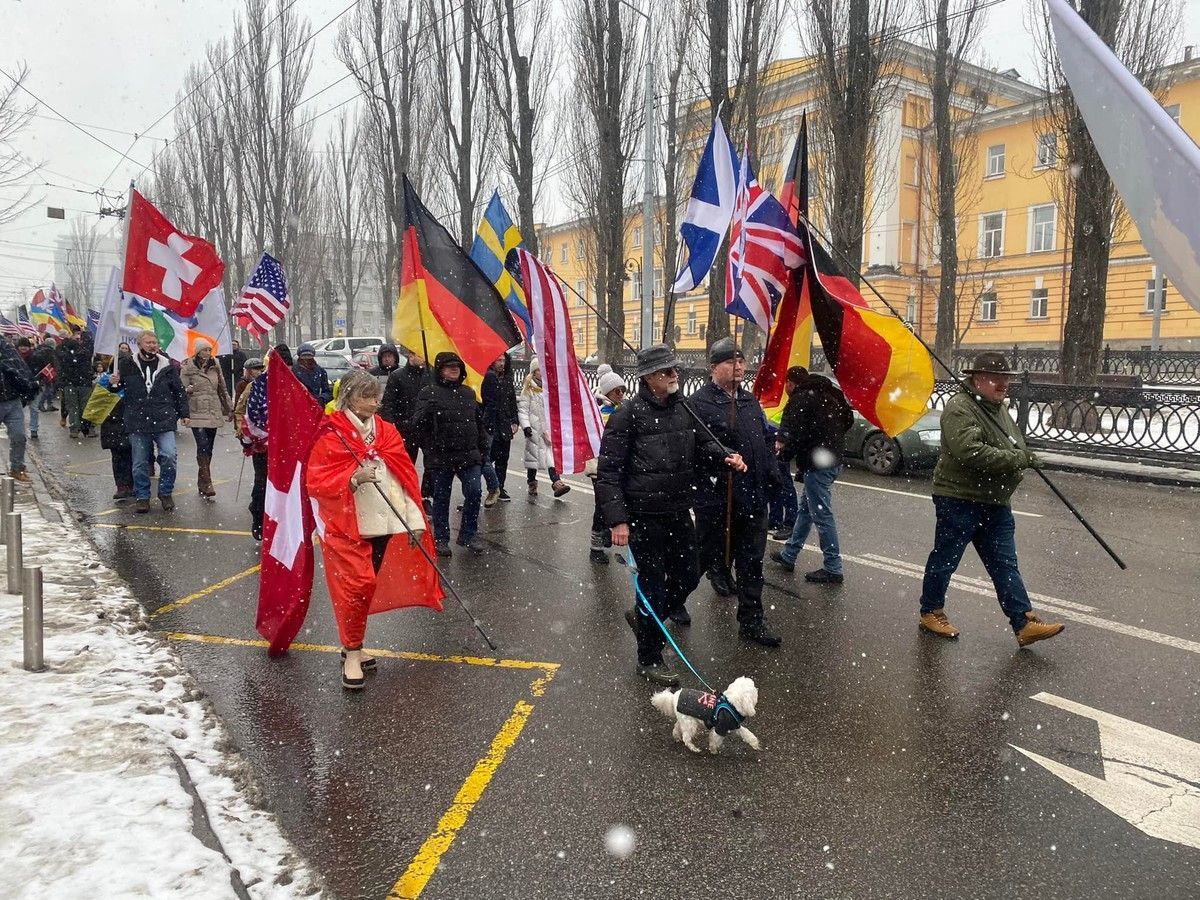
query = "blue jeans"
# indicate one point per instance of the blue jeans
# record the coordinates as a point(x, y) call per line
point(490, 478)
point(442, 482)
point(816, 508)
point(12, 415)
point(783, 506)
point(141, 444)
point(992, 529)
point(34, 416)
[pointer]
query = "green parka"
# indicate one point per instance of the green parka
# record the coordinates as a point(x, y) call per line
point(983, 454)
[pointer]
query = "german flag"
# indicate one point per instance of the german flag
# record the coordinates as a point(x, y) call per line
point(446, 302)
point(884, 371)
point(790, 341)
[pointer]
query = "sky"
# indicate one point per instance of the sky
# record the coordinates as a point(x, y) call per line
point(115, 73)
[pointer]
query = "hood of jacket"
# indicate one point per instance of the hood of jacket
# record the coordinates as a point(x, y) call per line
point(388, 348)
point(446, 358)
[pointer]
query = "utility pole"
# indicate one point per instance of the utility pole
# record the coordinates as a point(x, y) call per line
point(1160, 299)
point(648, 203)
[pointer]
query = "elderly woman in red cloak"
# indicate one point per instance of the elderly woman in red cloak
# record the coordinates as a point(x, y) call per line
point(369, 499)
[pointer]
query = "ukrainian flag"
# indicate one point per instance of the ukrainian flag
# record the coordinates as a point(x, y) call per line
point(47, 314)
point(496, 237)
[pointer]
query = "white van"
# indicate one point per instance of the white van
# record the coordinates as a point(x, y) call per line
point(347, 346)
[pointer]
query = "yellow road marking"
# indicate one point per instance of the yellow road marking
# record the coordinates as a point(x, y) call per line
point(547, 667)
point(106, 512)
point(168, 528)
point(211, 589)
point(425, 863)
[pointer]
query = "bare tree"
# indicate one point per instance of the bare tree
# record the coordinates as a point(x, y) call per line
point(517, 77)
point(952, 30)
point(1145, 35)
point(81, 263)
point(714, 26)
point(13, 167)
point(345, 218)
point(855, 48)
point(603, 51)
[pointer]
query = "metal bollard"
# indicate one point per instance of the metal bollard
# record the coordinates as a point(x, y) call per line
point(7, 487)
point(12, 533)
point(31, 619)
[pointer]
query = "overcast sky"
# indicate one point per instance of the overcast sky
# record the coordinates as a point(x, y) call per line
point(114, 67)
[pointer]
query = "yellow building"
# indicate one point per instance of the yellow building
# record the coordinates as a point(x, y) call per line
point(1013, 239)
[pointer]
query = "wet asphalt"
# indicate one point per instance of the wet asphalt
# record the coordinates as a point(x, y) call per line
point(887, 767)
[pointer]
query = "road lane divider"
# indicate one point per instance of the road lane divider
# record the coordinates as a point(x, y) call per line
point(204, 592)
point(845, 482)
point(121, 526)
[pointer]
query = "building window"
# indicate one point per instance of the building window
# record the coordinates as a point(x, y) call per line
point(637, 287)
point(1047, 150)
point(562, 255)
point(987, 307)
point(995, 161)
point(691, 320)
point(578, 335)
point(1173, 112)
point(1151, 291)
point(579, 249)
point(1039, 301)
point(703, 331)
point(910, 312)
point(1042, 222)
point(991, 235)
point(580, 292)
point(637, 238)
point(658, 282)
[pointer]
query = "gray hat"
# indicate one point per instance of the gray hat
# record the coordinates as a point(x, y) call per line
point(724, 350)
point(653, 358)
point(990, 362)
point(253, 362)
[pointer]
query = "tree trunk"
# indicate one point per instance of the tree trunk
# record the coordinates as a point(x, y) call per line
point(718, 96)
point(944, 134)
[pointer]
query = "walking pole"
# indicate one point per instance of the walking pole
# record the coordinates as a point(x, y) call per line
point(241, 472)
point(1050, 484)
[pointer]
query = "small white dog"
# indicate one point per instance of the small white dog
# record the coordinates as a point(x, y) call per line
point(697, 711)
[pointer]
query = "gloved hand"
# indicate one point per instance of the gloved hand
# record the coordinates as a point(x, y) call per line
point(527, 431)
point(1032, 461)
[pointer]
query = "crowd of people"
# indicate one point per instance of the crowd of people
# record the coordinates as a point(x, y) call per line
point(689, 487)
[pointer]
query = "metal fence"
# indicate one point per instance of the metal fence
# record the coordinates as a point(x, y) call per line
point(1162, 367)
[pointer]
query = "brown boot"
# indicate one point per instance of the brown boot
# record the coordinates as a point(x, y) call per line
point(936, 623)
point(204, 479)
point(1037, 630)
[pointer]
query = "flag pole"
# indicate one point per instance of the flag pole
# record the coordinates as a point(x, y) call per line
point(1050, 484)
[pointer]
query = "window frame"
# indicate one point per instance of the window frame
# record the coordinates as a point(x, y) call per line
point(1046, 140)
point(984, 231)
point(1002, 156)
point(986, 298)
point(1034, 226)
point(1044, 302)
point(1151, 291)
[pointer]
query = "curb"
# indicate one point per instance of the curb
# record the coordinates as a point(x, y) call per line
point(1145, 474)
point(42, 492)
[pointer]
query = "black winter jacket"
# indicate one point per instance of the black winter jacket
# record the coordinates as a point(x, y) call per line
point(43, 356)
point(447, 422)
point(400, 395)
point(816, 416)
point(648, 459)
point(112, 429)
point(499, 397)
point(16, 378)
point(752, 488)
point(316, 380)
point(157, 409)
point(75, 362)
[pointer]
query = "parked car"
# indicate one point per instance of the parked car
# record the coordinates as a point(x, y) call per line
point(915, 448)
point(366, 359)
point(335, 364)
point(348, 346)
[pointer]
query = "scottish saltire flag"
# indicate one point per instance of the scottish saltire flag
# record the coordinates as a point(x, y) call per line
point(706, 220)
point(93, 320)
point(763, 249)
point(495, 238)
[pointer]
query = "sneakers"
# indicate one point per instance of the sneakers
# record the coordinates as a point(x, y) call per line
point(759, 634)
point(20, 475)
point(141, 506)
point(168, 502)
point(721, 583)
point(680, 617)
point(777, 556)
point(1036, 630)
point(533, 489)
point(490, 500)
point(504, 498)
point(560, 488)
point(936, 623)
point(443, 549)
point(658, 673)
point(824, 576)
point(599, 557)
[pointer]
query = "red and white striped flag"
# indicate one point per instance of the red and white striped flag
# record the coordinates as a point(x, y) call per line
point(264, 300)
point(571, 411)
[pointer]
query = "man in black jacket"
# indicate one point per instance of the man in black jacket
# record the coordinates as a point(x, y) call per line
point(75, 376)
point(17, 388)
point(389, 362)
point(813, 432)
point(735, 417)
point(154, 403)
point(233, 365)
point(447, 423)
point(400, 399)
point(645, 483)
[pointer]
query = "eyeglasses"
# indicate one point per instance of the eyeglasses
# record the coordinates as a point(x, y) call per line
point(669, 370)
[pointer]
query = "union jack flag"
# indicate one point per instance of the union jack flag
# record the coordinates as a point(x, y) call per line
point(264, 300)
point(763, 248)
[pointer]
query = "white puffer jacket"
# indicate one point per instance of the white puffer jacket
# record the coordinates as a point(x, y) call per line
point(531, 413)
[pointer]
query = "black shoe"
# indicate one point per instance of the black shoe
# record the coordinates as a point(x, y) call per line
point(123, 495)
point(443, 549)
point(721, 583)
point(680, 617)
point(504, 498)
point(256, 532)
point(658, 673)
point(777, 556)
point(33, 435)
point(142, 506)
point(823, 576)
point(782, 533)
point(168, 502)
point(760, 635)
point(472, 545)
point(599, 557)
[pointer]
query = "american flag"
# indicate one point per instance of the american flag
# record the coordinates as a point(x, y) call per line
point(93, 321)
point(9, 327)
point(25, 326)
point(264, 300)
point(763, 247)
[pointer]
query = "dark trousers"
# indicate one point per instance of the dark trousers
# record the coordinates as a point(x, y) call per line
point(413, 449)
point(601, 536)
point(122, 467)
point(783, 502)
point(991, 528)
point(205, 438)
point(500, 450)
point(258, 493)
point(748, 544)
point(664, 548)
point(442, 482)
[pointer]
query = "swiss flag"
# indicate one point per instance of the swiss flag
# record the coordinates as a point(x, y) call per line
point(286, 578)
point(162, 264)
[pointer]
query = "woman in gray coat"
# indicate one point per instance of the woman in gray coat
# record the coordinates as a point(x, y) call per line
point(209, 403)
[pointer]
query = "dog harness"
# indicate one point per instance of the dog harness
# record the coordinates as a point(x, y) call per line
point(713, 710)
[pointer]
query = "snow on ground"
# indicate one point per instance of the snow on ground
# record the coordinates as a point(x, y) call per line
point(91, 802)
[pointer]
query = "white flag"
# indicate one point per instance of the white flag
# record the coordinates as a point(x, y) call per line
point(1153, 162)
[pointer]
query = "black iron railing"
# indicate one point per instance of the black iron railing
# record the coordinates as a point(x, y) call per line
point(1162, 367)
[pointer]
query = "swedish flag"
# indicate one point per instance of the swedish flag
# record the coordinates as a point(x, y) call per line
point(496, 237)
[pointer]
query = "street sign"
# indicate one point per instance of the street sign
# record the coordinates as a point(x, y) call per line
point(340, 323)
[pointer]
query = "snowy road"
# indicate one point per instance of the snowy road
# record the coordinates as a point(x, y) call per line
point(892, 764)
